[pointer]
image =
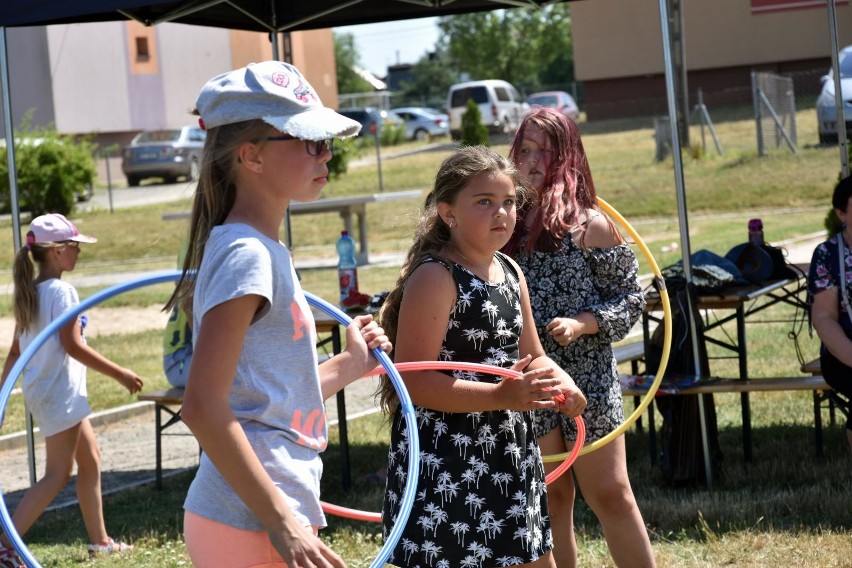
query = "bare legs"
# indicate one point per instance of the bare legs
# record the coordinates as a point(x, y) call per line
point(88, 459)
point(63, 449)
point(560, 503)
point(602, 477)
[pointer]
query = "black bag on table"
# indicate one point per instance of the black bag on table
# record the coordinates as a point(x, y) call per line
point(682, 456)
point(759, 263)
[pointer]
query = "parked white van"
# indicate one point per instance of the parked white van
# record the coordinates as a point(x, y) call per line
point(501, 106)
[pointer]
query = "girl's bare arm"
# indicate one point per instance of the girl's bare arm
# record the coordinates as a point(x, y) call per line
point(430, 293)
point(71, 337)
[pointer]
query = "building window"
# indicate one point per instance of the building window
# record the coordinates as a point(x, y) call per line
point(142, 52)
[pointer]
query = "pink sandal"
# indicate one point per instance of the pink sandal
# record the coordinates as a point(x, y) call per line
point(111, 547)
point(8, 558)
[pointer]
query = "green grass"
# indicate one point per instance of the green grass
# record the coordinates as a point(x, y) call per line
point(785, 508)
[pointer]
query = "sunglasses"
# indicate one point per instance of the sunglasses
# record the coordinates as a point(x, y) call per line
point(312, 147)
point(72, 244)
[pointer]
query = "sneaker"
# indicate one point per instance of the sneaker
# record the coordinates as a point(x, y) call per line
point(111, 547)
point(8, 558)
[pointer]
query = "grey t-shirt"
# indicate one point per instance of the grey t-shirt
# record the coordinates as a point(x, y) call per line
point(276, 394)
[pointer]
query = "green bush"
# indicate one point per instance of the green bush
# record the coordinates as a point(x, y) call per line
point(473, 132)
point(392, 134)
point(52, 170)
point(344, 150)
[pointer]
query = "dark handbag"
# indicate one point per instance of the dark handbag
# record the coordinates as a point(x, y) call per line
point(759, 263)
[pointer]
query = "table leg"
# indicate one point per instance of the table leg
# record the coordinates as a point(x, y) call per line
point(742, 355)
point(342, 428)
point(818, 422)
point(158, 446)
point(652, 434)
point(363, 253)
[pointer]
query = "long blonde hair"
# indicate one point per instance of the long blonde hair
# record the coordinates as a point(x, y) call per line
point(214, 197)
point(25, 296)
point(432, 233)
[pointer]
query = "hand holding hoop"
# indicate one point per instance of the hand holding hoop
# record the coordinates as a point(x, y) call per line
point(667, 342)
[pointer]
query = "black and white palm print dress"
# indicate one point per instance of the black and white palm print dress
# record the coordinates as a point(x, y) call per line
point(481, 498)
point(569, 281)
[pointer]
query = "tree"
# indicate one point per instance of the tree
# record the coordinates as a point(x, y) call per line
point(473, 132)
point(52, 170)
point(517, 45)
point(346, 58)
point(431, 78)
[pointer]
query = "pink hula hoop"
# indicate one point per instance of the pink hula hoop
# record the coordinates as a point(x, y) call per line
point(359, 515)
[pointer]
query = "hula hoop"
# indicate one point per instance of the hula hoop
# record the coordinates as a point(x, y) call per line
point(667, 341)
point(407, 407)
point(360, 515)
point(18, 368)
point(171, 276)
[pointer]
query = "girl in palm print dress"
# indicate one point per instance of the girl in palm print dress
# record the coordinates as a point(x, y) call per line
point(480, 493)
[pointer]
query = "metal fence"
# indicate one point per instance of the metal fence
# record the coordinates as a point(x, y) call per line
point(774, 101)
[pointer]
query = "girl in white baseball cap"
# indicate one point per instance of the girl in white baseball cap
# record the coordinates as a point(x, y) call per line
point(54, 380)
point(254, 396)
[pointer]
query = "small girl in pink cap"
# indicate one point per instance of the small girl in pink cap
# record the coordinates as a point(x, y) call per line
point(54, 381)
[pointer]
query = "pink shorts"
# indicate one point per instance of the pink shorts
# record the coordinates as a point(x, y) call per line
point(211, 545)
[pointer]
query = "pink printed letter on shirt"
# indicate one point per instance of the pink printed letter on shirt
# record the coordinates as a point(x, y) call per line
point(310, 431)
point(300, 322)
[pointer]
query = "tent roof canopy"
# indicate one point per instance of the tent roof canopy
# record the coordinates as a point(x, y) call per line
point(256, 15)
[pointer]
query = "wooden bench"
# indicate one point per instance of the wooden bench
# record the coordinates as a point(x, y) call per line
point(632, 353)
point(164, 401)
point(833, 399)
point(814, 383)
point(346, 206)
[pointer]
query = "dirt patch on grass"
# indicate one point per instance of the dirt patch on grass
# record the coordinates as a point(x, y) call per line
point(104, 321)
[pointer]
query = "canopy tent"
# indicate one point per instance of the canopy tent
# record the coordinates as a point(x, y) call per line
point(291, 15)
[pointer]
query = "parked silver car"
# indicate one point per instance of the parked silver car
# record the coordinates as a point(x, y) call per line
point(826, 105)
point(559, 100)
point(423, 123)
point(370, 118)
point(168, 154)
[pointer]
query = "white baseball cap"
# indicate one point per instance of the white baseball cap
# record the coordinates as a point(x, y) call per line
point(276, 93)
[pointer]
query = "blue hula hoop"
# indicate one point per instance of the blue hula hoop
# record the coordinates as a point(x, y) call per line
point(38, 341)
point(407, 407)
point(171, 276)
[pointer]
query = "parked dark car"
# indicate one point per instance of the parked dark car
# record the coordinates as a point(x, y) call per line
point(370, 117)
point(169, 154)
point(559, 100)
point(423, 123)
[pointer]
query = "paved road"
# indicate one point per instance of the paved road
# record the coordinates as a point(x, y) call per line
point(119, 198)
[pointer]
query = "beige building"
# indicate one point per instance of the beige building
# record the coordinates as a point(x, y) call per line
point(114, 79)
point(619, 56)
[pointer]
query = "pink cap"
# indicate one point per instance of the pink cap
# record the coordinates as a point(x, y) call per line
point(53, 228)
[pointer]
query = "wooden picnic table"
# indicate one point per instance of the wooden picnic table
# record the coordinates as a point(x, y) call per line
point(346, 206)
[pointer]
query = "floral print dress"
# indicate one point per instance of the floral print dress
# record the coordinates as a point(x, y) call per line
point(481, 498)
point(570, 281)
point(824, 273)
